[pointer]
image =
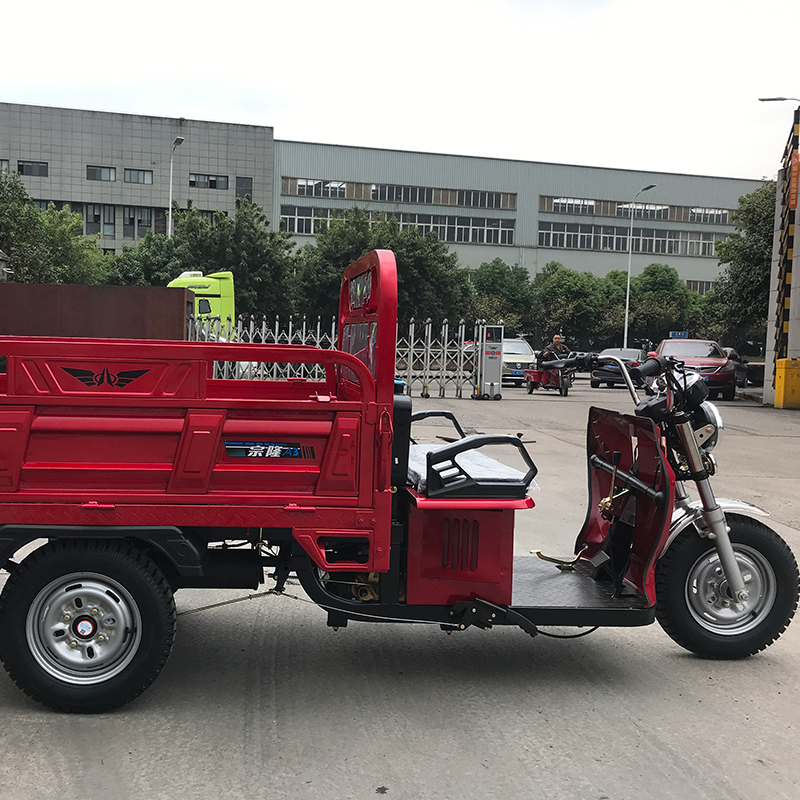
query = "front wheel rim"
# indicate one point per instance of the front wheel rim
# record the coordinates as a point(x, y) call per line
point(709, 599)
point(83, 628)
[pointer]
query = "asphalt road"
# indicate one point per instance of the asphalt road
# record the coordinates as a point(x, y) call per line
point(261, 700)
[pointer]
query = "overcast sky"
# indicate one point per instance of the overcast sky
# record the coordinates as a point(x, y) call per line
point(667, 86)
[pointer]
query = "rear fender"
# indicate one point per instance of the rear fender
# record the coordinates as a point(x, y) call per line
point(683, 517)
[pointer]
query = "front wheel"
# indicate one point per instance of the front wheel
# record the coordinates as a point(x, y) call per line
point(86, 626)
point(529, 386)
point(694, 605)
point(563, 387)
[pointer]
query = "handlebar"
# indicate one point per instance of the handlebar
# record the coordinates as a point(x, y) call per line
point(654, 365)
point(582, 362)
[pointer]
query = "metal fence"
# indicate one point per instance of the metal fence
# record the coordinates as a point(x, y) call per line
point(432, 360)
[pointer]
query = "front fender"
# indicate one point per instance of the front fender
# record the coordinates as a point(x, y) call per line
point(685, 516)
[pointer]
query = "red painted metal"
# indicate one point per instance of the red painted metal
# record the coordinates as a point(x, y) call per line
point(459, 554)
point(637, 440)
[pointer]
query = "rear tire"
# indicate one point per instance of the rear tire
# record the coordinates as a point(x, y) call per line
point(594, 384)
point(694, 607)
point(529, 386)
point(85, 625)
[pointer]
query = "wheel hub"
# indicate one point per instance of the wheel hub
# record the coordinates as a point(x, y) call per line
point(83, 628)
point(709, 598)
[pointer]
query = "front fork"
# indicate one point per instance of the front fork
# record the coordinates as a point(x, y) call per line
point(713, 517)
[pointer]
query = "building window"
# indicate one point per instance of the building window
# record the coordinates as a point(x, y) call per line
point(573, 205)
point(470, 198)
point(701, 287)
point(244, 187)
point(473, 230)
point(109, 220)
point(309, 187)
point(4, 164)
point(208, 216)
point(297, 220)
point(139, 176)
point(208, 181)
point(136, 221)
point(642, 211)
point(144, 221)
point(390, 193)
point(574, 236)
point(717, 216)
point(93, 214)
point(128, 222)
point(101, 174)
point(36, 169)
point(41, 204)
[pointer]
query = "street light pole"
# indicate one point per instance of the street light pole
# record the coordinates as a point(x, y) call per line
point(179, 140)
point(630, 257)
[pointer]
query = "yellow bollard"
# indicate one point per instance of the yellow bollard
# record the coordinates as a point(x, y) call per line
point(787, 383)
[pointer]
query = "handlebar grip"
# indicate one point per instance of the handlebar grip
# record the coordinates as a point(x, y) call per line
point(654, 365)
point(582, 362)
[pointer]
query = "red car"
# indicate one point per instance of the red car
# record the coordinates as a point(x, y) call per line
point(709, 359)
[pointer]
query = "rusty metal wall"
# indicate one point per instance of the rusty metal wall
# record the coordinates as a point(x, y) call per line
point(124, 312)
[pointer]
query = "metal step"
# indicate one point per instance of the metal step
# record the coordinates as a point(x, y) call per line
point(547, 595)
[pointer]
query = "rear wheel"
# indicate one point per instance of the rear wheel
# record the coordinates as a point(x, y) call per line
point(695, 606)
point(594, 384)
point(86, 626)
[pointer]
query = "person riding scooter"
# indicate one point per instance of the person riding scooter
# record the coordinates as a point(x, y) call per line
point(556, 349)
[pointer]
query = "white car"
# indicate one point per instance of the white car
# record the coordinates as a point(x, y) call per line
point(518, 356)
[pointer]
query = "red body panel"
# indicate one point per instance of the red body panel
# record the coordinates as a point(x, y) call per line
point(460, 554)
point(637, 439)
point(545, 378)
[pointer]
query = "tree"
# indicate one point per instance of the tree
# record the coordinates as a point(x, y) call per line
point(660, 303)
point(566, 302)
point(503, 291)
point(261, 260)
point(742, 291)
point(45, 246)
point(430, 282)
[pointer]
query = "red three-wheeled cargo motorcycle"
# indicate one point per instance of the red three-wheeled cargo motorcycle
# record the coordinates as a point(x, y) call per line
point(128, 471)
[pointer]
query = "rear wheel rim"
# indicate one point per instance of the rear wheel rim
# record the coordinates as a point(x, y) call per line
point(709, 600)
point(83, 628)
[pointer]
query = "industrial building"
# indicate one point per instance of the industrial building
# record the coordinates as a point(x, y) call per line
point(114, 169)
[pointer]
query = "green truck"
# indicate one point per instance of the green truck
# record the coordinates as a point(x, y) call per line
point(213, 294)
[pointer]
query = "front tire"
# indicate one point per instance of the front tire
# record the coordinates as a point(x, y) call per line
point(86, 626)
point(695, 608)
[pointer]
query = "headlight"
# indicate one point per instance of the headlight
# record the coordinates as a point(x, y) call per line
point(707, 425)
point(729, 367)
